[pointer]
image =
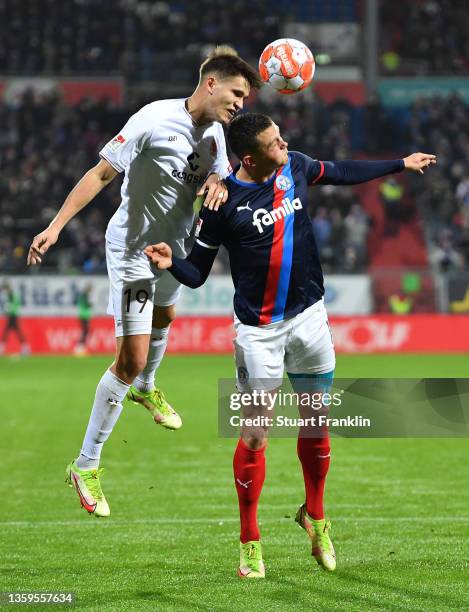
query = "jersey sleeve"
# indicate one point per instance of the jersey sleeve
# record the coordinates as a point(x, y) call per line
point(209, 232)
point(132, 139)
point(312, 168)
point(194, 270)
point(221, 165)
point(346, 172)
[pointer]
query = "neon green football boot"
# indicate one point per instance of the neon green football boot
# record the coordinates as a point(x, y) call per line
point(155, 402)
point(318, 532)
point(86, 484)
point(251, 564)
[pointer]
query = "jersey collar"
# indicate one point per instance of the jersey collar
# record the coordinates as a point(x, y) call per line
point(270, 180)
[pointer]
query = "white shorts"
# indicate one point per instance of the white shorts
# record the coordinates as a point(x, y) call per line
point(135, 287)
point(301, 345)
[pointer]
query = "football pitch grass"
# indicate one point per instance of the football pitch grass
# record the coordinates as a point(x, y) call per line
point(399, 507)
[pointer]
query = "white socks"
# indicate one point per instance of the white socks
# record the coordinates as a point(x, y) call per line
point(145, 381)
point(110, 394)
point(106, 410)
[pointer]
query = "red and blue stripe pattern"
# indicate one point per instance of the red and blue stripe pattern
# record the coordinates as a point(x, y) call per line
point(281, 255)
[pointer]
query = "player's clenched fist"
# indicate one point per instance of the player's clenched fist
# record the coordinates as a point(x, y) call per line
point(40, 245)
point(160, 254)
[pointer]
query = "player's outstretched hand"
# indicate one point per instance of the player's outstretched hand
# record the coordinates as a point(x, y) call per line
point(159, 254)
point(40, 245)
point(215, 192)
point(419, 162)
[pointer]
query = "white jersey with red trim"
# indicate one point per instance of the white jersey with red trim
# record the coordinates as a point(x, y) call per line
point(166, 157)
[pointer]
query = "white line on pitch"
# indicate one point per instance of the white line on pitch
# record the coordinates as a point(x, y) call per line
point(119, 523)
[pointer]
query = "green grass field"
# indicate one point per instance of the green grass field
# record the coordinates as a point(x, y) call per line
point(399, 507)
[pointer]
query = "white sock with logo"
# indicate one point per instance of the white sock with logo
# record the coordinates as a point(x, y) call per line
point(145, 381)
point(106, 410)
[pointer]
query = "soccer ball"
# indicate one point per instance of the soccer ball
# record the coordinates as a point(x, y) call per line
point(287, 65)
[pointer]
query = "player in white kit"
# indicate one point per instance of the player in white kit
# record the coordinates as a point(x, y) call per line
point(166, 151)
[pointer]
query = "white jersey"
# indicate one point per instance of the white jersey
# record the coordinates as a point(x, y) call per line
point(166, 157)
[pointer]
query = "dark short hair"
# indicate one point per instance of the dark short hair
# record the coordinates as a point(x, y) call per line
point(225, 61)
point(243, 132)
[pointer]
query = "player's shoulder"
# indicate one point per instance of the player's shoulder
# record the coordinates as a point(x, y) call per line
point(302, 164)
point(214, 129)
point(301, 159)
point(162, 107)
point(238, 193)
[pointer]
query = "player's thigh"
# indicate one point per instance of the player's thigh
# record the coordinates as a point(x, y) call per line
point(163, 316)
point(310, 349)
point(259, 357)
point(167, 293)
point(131, 290)
point(132, 352)
point(167, 288)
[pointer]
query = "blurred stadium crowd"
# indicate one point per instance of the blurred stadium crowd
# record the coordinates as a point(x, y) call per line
point(139, 38)
point(421, 37)
point(46, 146)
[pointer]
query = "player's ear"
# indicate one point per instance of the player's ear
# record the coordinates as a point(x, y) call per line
point(210, 83)
point(248, 161)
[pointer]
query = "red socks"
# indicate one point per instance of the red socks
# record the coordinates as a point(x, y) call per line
point(314, 454)
point(249, 475)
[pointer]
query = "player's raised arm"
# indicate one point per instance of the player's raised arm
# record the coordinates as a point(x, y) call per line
point(84, 191)
point(192, 271)
point(353, 172)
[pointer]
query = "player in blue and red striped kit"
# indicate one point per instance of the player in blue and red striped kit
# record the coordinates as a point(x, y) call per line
point(280, 319)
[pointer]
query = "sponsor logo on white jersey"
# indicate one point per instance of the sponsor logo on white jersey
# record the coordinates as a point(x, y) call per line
point(269, 217)
point(190, 177)
point(116, 142)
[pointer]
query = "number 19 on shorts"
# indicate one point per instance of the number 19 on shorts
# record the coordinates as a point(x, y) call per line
point(135, 300)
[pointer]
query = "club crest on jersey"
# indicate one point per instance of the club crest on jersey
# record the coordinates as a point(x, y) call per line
point(268, 217)
point(282, 182)
point(116, 142)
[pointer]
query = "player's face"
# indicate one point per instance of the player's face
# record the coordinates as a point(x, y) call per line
point(227, 97)
point(272, 149)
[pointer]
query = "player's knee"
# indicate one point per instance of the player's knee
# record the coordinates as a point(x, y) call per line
point(255, 439)
point(129, 365)
point(163, 316)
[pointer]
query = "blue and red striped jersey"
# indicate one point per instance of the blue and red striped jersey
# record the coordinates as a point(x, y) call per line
point(269, 237)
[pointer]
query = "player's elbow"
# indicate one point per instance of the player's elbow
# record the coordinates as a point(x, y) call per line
point(104, 172)
point(198, 279)
point(195, 283)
